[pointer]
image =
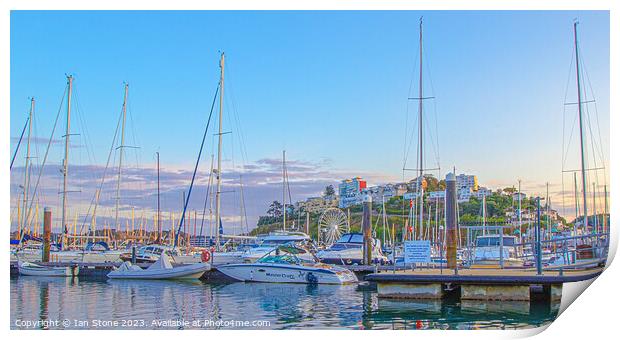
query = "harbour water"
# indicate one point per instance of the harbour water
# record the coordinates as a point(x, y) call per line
point(72, 303)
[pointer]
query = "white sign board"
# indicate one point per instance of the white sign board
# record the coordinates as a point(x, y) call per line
point(418, 251)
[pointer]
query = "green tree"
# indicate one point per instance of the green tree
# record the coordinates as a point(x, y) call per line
point(329, 191)
point(275, 209)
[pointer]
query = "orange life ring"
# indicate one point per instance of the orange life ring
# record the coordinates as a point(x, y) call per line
point(205, 256)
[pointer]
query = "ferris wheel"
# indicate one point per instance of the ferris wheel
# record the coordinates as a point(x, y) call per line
point(333, 223)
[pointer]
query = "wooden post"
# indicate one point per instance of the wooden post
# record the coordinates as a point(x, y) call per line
point(451, 220)
point(367, 229)
point(47, 233)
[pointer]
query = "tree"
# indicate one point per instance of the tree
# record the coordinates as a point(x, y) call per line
point(275, 209)
point(510, 190)
point(329, 191)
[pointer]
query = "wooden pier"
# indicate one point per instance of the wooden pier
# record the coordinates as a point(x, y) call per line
point(477, 284)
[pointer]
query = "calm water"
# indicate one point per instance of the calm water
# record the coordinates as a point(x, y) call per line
point(87, 304)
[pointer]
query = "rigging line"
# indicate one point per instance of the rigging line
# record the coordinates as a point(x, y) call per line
point(411, 139)
point(570, 138)
point(600, 141)
point(189, 193)
point(204, 209)
point(49, 143)
point(95, 201)
point(435, 151)
point(600, 137)
point(84, 126)
point(134, 135)
point(241, 135)
point(413, 73)
point(568, 81)
point(288, 185)
point(19, 143)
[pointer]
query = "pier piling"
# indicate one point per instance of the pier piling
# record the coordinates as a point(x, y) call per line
point(451, 221)
point(47, 233)
point(367, 229)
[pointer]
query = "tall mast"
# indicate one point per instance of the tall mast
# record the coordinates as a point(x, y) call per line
point(421, 138)
point(576, 208)
point(520, 215)
point(120, 158)
point(158, 204)
point(484, 214)
point(581, 134)
point(548, 203)
point(594, 207)
point(605, 209)
point(27, 169)
point(284, 189)
point(219, 158)
point(65, 166)
point(241, 205)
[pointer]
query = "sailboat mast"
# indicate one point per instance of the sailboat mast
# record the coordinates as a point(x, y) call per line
point(576, 208)
point(605, 209)
point(421, 138)
point(484, 214)
point(120, 158)
point(520, 215)
point(27, 169)
point(284, 189)
point(581, 134)
point(219, 158)
point(158, 205)
point(65, 166)
point(548, 218)
point(594, 207)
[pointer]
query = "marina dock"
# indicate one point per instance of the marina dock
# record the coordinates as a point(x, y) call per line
point(477, 284)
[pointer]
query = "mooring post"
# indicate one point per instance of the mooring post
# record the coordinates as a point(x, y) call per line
point(501, 248)
point(367, 227)
point(133, 254)
point(537, 236)
point(47, 233)
point(451, 221)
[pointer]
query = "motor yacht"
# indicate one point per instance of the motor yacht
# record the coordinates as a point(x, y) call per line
point(348, 250)
point(282, 265)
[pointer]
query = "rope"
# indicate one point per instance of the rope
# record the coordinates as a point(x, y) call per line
point(189, 193)
point(19, 143)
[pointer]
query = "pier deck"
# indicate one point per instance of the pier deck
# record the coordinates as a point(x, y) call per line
point(485, 276)
point(478, 284)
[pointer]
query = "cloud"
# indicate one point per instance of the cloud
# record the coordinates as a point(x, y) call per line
point(262, 184)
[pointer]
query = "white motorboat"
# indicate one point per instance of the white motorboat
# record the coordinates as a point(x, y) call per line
point(348, 250)
point(276, 239)
point(488, 251)
point(283, 266)
point(31, 269)
point(160, 270)
point(151, 253)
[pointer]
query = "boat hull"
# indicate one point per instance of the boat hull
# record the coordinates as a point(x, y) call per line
point(34, 270)
point(287, 274)
point(194, 271)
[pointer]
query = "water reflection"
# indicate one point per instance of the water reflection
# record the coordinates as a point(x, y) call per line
point(285, 306)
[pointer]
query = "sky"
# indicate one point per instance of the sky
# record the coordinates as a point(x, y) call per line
point(331, 88)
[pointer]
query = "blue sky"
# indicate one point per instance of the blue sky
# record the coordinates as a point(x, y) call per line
point(330, 87)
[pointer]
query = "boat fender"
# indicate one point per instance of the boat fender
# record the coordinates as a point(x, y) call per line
point(205, 256)
point(311, 278)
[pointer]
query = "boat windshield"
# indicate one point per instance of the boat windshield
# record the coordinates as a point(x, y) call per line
point(494, 241)
point(282, 259)
point(276, 242)
point(351, 238)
